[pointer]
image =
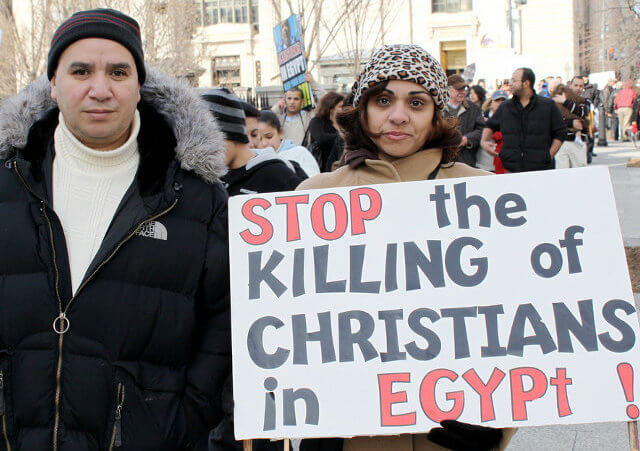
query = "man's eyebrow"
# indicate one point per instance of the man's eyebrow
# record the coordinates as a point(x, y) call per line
point(113, 66)
point(413, 93)
point(80, 65)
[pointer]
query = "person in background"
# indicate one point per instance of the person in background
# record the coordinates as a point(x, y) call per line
point(544, 89)
point(485, 160)
point(615, 121)
point(586, 113)
point(396, 132)
point(575, 112)
point(251, 115)
point(623, 106)
point(469, 117)
point(295, 121)
point(607, 103)
point(249, 173)
point(272, 136)
point(532, 127)
point(477, 94)
point(325, 142)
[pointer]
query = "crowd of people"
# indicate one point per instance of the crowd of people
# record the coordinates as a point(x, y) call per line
point(473, 107)
point(114, 266)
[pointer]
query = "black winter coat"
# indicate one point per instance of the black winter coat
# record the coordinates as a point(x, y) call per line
point(263, 174)
point(528, 133)
point(326, 145)
point(147, 348)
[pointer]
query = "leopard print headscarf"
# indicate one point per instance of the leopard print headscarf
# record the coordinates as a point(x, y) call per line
point(404, 62)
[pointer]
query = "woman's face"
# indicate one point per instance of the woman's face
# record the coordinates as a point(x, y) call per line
point(400, 118)
point(473, 96)
point(269, 136)
point(335, 110)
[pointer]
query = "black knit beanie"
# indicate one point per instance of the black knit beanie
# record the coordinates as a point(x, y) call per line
point(229, 113)
point(98, 23)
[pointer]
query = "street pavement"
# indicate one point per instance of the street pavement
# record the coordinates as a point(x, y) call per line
point(602, 436)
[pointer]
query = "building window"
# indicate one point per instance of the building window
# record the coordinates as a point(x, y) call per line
point(225, 71)
point(211, 12)
point(253, 14)
point(450, 6)
point(240, 13)
point(226, 11)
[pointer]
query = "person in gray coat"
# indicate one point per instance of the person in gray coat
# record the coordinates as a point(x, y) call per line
point(469, 116)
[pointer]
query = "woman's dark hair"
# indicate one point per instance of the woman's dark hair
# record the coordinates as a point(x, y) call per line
point(352, 121)
point(327, 103)
point(480, 92)
point(250, 110)
point(270, 118)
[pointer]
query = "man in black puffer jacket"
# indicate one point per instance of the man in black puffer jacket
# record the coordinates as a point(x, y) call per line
point(114, 307)
point(531, 125)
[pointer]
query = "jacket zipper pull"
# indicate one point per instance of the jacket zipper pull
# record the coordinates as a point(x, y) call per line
point(117, 442)
point(118, 437)
point(1, 393)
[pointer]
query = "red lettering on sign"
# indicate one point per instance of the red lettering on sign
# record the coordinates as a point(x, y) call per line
point(266, 229)
point(358, 216)
point(293, 225)
point(560, 382)
point(428, 396)
point(317, 216)
point(487, 412)
point(520, 397)
point(388, 397)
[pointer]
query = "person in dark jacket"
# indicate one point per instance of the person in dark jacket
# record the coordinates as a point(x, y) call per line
point(248, 173)
point(532, 127)
point(326, 144)
point(114, 271)
point(469, 116)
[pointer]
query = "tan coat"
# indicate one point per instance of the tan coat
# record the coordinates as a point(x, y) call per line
point(409, 169)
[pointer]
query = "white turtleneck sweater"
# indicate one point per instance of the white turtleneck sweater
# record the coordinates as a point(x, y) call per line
point(88, 186)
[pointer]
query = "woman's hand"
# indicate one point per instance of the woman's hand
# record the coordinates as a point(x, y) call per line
point(489, 147)
point(458, 436)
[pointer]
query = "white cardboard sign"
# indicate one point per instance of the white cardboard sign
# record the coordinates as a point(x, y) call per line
point(380, 310)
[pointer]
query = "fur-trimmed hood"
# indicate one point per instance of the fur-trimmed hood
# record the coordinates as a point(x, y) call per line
point(200, 142)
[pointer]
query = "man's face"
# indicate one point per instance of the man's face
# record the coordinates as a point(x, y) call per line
point(578, 85)
point(457, 95)
point(97, 90)
point(517, 87)
point(253, 132)
point(293, 101)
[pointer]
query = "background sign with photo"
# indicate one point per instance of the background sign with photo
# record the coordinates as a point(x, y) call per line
point(380, 310)
point(291, 57)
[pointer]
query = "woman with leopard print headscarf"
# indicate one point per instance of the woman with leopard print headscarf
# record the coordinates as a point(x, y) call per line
point(395, 132)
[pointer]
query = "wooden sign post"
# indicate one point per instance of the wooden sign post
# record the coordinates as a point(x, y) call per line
point(633, 436)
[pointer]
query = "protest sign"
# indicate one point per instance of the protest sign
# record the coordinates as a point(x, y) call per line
point(291, 57)
point(379, 310)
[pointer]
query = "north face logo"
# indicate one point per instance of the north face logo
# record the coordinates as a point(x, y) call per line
point(154, 229)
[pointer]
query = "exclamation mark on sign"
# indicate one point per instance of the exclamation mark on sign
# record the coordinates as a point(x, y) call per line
point(625, 373)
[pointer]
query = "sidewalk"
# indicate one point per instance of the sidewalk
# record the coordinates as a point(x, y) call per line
point(602, 436)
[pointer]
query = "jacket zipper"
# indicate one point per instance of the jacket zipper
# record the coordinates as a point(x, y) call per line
point(116, 435)
point(3, 413)
point(61, 323)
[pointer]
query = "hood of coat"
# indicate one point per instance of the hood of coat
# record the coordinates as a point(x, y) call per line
point(200, 145)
